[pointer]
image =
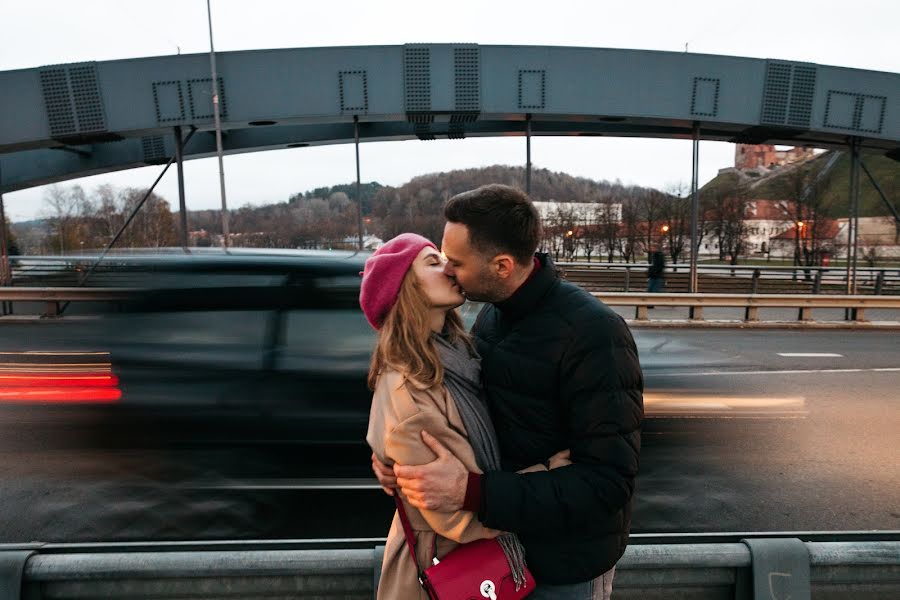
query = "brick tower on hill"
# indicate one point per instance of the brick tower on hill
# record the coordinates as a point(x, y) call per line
point(752, 156)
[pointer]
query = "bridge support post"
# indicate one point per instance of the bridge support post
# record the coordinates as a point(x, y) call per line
point(218, 124)
point(182, 204)
point(4, 248)
point(358, 185)
point(5, 271)
point(528, 155)
point(853, 221)
point(695, 207)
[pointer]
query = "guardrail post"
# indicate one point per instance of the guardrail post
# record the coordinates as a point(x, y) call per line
point(52, 309)
point(641, 313)
point(817, 284)
point(696, 313)
point(780, 568)
point(754, 282)
point(751, 313)
point(627, 279)
point(12, 566)
point(377, 558)
point(806, 313)
point(859, 314)
point(879, 283)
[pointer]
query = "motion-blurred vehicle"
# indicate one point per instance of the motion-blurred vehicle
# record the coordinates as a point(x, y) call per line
point(248, 347)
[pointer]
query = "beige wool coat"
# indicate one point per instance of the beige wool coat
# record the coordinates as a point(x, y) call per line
point(401, 409)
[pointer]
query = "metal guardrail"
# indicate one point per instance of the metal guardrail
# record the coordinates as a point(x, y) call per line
point(751, 303)
point(754, 568)
point(632, 277)
point(262, 297)
point(53, 297)
point(62, 271)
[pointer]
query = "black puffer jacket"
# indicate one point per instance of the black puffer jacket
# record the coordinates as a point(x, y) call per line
point(561, 371)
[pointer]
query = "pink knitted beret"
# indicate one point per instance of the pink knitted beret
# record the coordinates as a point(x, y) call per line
point(384, 273)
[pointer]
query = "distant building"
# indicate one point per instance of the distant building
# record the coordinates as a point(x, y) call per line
point(582, 213)
point(370, 242)
point(827, 233)
point(879, 237)
point(200, 238)
point(765, 219)
point(753, 156)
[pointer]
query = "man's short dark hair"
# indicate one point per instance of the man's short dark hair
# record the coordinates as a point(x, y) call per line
point(500, 219)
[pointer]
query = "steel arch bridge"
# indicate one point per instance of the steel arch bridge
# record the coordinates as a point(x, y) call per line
point(65, 121)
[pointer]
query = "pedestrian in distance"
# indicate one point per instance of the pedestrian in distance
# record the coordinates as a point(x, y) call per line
point(656, 274)
point(425, 375)
point(561, 371)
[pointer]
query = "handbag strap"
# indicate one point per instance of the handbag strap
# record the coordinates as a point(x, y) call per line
point(407, 529)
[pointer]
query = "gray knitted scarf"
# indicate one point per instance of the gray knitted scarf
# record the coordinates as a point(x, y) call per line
point(462, 377)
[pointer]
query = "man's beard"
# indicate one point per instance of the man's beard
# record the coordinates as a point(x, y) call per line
point(491, 291)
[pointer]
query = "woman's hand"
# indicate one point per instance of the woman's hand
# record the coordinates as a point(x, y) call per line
point(560, 459)
point(385, 475)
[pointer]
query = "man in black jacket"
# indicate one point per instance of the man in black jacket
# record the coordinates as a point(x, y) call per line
point(561, 372)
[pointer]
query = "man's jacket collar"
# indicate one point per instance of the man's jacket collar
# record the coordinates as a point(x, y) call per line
point(525, 299)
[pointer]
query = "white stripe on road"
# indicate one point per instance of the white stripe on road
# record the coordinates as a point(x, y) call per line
point(717, 404)
point(782, 372)
point(290, 484)
point(811, 355)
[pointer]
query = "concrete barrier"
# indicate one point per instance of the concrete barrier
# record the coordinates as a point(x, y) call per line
point(757, 568)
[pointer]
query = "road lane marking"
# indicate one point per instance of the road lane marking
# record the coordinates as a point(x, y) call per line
point(810, 355)
point(677, 403)
point(650, 373)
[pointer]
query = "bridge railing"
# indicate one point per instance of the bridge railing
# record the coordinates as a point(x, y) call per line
point(751, 568)
point(65, 271)
point(47, 302)
point(747, 279)
point(855, 306)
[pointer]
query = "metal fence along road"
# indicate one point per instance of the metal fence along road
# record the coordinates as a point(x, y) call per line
point(737, 279)
point(47, 302)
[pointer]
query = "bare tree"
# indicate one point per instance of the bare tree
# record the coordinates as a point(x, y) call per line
point(651, 206)
point(808, 213)
point(608, 222)
point(730, 227)
point(630, 233)
point(66, 206)
point(676, 215)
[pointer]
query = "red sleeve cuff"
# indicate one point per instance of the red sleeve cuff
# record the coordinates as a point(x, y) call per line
point(472, 501)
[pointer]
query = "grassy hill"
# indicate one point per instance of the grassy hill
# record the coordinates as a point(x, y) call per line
point(775, 185)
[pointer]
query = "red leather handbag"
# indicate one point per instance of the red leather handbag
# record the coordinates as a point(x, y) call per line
point(473, 571)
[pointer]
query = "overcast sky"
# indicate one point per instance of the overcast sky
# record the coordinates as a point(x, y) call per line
point(861, 34)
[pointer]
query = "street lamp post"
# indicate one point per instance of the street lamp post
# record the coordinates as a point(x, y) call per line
point(218, 125)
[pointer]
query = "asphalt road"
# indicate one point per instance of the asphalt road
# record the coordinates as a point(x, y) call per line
point(745, 431)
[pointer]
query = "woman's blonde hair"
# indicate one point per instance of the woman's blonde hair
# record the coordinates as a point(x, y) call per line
point(404, 340)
